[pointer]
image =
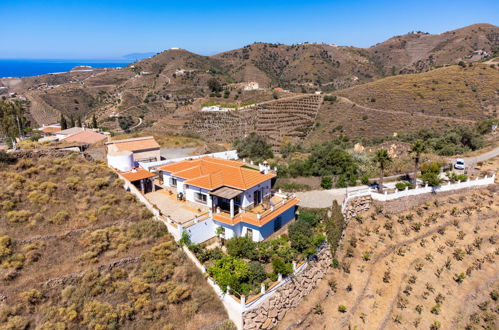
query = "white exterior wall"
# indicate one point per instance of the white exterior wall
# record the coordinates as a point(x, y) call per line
point(248, 194)
point(202, 231)
point(257, 236)
point(424, 190)
point(229, 233)
point(180, 185)
point(190, 193)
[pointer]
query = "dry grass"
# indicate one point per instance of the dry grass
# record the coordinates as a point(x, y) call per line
point(76, 250)
point(452, 91)
point(433, 264)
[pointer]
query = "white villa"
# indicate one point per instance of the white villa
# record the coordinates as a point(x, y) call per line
point(227, 194)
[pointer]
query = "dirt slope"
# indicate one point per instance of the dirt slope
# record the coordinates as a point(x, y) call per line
point(433, 266)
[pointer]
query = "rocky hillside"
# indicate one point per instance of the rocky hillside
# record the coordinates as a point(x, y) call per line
point(307, 66)
point(78, 251)
point(440, 98)
point(175, 80)
point(416, 52)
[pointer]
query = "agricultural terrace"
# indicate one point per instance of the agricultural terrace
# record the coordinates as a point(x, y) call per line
point(78, 251)
point(433, 266)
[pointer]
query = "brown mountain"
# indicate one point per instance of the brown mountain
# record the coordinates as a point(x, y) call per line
point(175, 80)
point(416, 52)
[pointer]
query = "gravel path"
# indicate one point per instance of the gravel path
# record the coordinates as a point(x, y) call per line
point(325, 198)
point(172, 153)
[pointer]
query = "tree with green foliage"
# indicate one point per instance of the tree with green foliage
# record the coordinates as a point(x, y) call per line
point(13, 122)
point(63, 122)
point(334, 227)
point(281, 267)
point(253, 146)
point(329, 159)
point(417, 148)
point(300, 235)
point(430, 173)
point(185, 239)
point(94, 121)
point(72, 122)
point(78, 122)
point(382, 157)
point(214, 85)
point(242, 247)
point(257, 273)
point(231, 271)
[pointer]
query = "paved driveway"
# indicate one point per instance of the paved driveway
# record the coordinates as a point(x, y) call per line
point(325, 198)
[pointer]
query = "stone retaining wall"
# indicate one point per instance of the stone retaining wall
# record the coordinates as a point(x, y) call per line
point(356, 206)
point(269, 312)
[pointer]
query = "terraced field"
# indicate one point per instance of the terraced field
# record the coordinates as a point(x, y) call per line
point(433, 266)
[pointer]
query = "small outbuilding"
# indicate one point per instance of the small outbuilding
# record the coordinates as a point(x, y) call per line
point(145, 149)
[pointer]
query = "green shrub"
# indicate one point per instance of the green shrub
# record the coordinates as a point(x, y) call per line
point(179, 294)
point(257, 273)
point(342, 308)
point(281, 267)
point(365, 180)
point(36, 197)
point(400, 185)
point(32, 296)
point(341, 183)
point(309, 217)
point(60, 217)
point(18, 216)
point(300, 235)
point(5, 247)
point(327, 182)
point(98, 315)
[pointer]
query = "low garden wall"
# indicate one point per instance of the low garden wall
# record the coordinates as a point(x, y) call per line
point(427, 189)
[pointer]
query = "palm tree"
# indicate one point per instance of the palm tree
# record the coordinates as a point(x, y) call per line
point(382, 157)
point(417, 148)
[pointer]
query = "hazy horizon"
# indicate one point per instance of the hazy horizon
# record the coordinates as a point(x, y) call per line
point(108, 30)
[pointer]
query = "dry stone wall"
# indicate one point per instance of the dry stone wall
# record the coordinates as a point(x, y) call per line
point(291, 117)
point(267, 314)
point(356, 206)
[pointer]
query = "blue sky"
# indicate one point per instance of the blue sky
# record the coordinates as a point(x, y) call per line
point(108, 29)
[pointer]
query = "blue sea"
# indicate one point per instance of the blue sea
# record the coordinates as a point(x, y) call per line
point(25, 68)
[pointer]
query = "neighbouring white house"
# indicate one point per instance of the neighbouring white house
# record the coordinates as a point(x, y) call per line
point(251, 86)
point(144, 149)
point(234, 196)
point(68, 132)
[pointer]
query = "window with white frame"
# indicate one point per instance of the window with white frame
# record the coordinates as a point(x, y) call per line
point(200, 198)
point(173, 182)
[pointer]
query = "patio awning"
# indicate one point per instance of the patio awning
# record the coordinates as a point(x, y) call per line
point(226, 192)
point(137, 174)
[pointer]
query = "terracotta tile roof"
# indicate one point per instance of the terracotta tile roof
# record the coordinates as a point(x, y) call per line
point(211, 173)
point(137, 174)
point(51, 129)
point(86, 137)
point(245, 217)
point(136, 144)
